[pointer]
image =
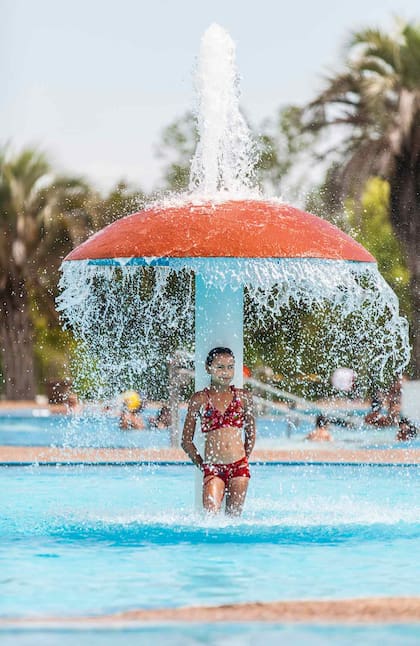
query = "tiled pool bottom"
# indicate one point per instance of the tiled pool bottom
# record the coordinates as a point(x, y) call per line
point(98, 540)
point(255, 634)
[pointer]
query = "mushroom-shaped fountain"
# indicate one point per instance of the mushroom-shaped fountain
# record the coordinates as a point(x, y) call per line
point(229, 239)
point(228, 246)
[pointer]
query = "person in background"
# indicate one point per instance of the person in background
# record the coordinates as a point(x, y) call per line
point(407, 431)
point(131, 417)
point(320, 432)
point(386, 409)
point(163, 419)
point(227, 420)
point(73, 403)
point(69, 406)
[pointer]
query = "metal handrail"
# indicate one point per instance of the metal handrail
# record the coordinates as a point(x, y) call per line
point(281, 394)
point(289, 397)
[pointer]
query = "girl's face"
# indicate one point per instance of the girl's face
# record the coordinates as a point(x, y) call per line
point(221, 370)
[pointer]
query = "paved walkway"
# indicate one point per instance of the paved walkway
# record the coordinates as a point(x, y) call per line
point(46, 454)
point(370, 610)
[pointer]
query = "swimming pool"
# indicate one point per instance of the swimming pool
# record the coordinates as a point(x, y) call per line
point(221, 635)
point(91, 540)
point(39, 428)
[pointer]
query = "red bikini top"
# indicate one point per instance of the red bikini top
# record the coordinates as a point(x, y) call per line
point(212, 418)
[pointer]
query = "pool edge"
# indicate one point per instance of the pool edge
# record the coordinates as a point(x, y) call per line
point(369, 610)
point(27, 455)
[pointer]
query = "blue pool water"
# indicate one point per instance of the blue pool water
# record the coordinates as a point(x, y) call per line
point(39, 428)
point(253, 634)
point(91, 540)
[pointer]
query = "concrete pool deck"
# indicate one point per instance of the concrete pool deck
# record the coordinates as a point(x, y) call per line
point(25, 455)
point(369, 610)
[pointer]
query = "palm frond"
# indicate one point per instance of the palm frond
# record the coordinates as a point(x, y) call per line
point(410, 56)
point(375, 43)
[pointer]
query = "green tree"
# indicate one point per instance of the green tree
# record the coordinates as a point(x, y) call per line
point(121, 200)
point(371, 226)
point(282, 144)
point(179, 141)
point(376, 102)
point(40, 218)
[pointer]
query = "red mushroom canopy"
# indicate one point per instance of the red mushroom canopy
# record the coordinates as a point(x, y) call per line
point(238, 229)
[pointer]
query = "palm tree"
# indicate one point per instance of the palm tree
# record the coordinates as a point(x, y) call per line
point(376, 102)
point(40, 218)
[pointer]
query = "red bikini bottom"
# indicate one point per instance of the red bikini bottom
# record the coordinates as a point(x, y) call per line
point(238, 469)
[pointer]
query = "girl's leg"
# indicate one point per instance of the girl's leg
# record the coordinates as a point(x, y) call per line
point(235, 495)
point(213, 492)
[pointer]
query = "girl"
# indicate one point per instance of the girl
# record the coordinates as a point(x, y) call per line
point(224, 411)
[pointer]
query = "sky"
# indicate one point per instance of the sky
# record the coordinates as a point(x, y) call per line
point(93, 83)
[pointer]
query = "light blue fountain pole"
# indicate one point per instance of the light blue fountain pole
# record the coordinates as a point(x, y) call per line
point(218, 322)
point(220, 167)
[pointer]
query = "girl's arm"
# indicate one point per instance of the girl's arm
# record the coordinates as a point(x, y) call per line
point(249, 423)
point(189, 429)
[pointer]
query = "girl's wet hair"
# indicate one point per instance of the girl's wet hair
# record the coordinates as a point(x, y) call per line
point(215, 352)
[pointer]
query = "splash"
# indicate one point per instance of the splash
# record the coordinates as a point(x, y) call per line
point(130, 314)
point(225, 158)
point(130, 319)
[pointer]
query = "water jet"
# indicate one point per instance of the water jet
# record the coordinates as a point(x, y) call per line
point(221, 238)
